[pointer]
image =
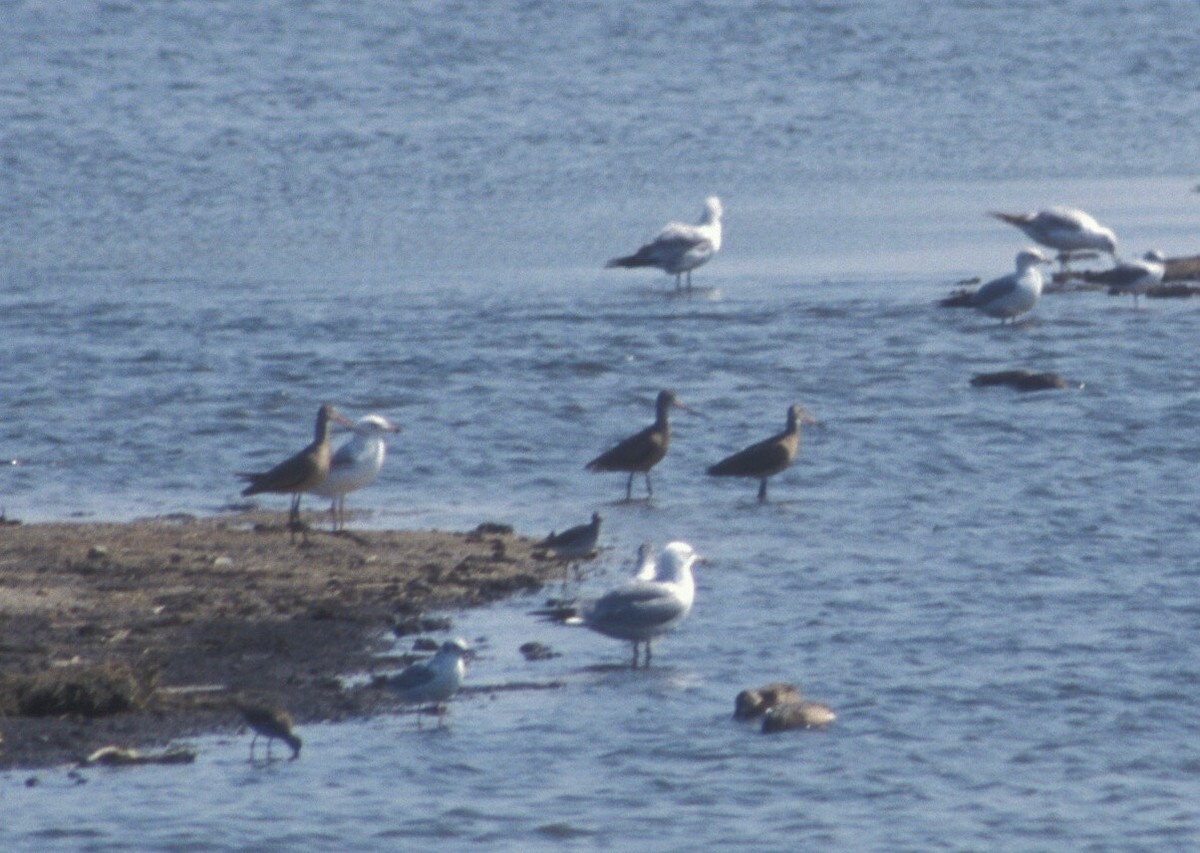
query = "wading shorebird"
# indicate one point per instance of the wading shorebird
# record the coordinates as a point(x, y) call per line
point(1015, 293)
point(642, 451)
point(271, 723)
point(433, 681)
point(644, 609)
point(1063, 228)
point(768, 457)
point(300, 473)
point(355, 465)
point(679, 248)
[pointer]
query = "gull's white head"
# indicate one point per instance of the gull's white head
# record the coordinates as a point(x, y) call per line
point(712, 210)
point(1030, 257)
point(676, 561)
point(374, 425)
point(456, 648)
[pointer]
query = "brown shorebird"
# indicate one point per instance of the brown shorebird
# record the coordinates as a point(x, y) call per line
point(642, 451)
point(271, 723)
point(296, 475)
point(766, 458)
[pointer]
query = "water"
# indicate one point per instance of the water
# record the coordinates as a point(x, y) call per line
point(215, 217)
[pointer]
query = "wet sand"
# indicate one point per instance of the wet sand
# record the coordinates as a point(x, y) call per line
point(168, 618)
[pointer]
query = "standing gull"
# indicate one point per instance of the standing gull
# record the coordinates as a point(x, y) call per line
point(679, 248)
point(641, 451)
point(768, 457)
point(1065, 229)
point(355, 464)
point(1134, 277)
point(642, 609)
point(300, 473)
point(1015, 293)
point(433, 681)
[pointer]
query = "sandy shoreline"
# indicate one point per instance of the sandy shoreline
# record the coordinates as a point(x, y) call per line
point(185, 611)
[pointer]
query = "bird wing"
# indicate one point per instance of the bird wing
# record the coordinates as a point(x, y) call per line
point(416, 675)
point(288, 475)
point(645, 447)
point(995, 289)
point(766, 455)
point(1122, 275)
point(638, 606)
point(1065, 219)
point(347, 456)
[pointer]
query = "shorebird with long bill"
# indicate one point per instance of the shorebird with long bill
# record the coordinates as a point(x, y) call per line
point(766, 458)
point(642, 450)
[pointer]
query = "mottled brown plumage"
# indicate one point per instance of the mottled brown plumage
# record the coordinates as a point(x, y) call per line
point(766, 458)
point(271, 723)
point(297, 474)
point(642, 451)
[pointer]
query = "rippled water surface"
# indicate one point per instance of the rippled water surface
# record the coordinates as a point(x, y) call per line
point(216, 216)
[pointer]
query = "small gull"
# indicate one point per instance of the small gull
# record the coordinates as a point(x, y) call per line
point(766, 458)
point(679, 248)
point(1065, 229)
point(355, 464)
point(299, 473)
point(1134, 277)
point(642, 609)
point(1015, 293)
point(433, 681)
point(643, 450)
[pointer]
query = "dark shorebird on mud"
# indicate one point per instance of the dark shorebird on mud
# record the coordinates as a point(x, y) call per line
point(766, 458)
point(642, 451)
point(271, 723)
point(300, 473)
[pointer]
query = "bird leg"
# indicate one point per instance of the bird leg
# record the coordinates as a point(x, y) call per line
point(689, 278)
point(647, 665)
point(762, 491)
point(629, 487)
point(635, 654)
point(253, 741)
point(649, 488)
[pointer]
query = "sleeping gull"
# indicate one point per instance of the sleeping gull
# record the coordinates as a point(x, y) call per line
point(1065, 229)
point(679, 248)
point(642, 609)
point(1134, 277)
point(355, 464)
point(433, 681)
point(1015, 293)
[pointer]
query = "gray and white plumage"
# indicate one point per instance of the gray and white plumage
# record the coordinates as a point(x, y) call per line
point(434, 680)
point(644, 609)
point(355, 465)
point(576, 542)
point(680, 247)
point(1015, 293)
point(1066, 229)
point(1134, 277)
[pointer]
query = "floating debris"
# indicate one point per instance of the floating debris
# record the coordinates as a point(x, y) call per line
point(119, 756)
point(1023, 380)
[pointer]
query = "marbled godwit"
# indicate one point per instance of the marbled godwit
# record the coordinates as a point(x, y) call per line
point(768, 457)
point(679, 248)
point(355, 464)
point(433, 681)
point(641, 452)
point(641, 610)
point(271, 723)
point(1065, 229)
point(1015, 293)
point(1134, 277)
point(299, 473)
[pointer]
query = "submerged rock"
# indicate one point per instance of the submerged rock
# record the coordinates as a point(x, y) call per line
point(754, 703)
point(797, 715)
point(537, 651)
point(1022, 380)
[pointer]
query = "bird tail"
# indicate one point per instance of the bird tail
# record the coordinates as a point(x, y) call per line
point(640, 258)
point(1017, 219)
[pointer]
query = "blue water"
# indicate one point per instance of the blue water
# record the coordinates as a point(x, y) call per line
point(214, 217)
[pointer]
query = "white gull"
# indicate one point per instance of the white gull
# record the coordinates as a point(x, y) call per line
point(355, 464)
point(1134, 277)
point(1015, 293)
point(680, 247)
point(435, 680)
point(1065, 229)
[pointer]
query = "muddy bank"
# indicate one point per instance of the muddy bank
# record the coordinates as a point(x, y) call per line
point(139, 633)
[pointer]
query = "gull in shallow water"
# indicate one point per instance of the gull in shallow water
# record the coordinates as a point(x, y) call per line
point(644, 609)
point(1015, 293)
point(435, 680)
point(679, 248)
point(1134, 277)
point(355, 464)
point(1065, 229)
